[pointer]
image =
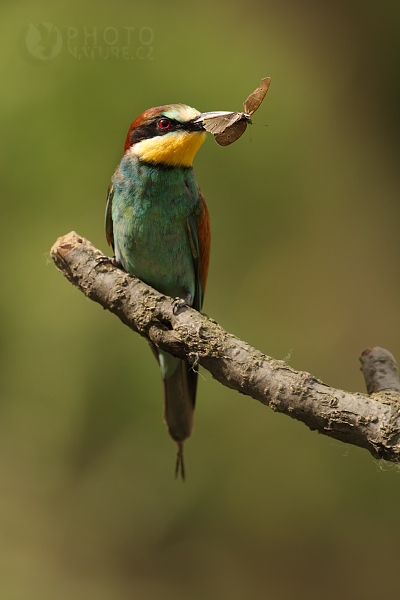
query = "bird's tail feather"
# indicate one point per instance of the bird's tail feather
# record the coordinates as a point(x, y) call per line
point(179, 402)
point(180, 464)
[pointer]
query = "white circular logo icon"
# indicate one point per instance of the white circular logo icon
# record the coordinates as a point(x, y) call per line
point(43, 41)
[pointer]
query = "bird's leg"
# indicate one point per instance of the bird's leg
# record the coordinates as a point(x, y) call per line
point(178, 303)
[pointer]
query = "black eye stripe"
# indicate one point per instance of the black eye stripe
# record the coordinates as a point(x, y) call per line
point(152, 129)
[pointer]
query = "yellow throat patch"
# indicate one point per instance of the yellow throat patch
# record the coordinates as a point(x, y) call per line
point(175, 149)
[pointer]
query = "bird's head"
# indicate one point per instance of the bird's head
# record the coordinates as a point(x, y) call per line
point(168, 135)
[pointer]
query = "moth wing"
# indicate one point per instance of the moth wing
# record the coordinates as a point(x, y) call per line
point(254, 100)
point(231, 134)
point(220, 123)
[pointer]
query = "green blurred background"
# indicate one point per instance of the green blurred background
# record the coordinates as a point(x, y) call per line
point(304, 266)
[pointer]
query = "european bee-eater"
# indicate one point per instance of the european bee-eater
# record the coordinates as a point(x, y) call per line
point(158, 226)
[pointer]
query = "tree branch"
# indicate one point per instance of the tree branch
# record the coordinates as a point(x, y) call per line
point(371, 422)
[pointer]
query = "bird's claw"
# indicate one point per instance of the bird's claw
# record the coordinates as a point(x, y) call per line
point(105, 260)
point(177, 304)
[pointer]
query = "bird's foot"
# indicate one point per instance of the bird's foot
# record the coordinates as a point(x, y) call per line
point(177, 304)
point(106, 260)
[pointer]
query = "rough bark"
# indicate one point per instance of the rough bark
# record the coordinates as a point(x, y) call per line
point(371, 422)
point(380, 370)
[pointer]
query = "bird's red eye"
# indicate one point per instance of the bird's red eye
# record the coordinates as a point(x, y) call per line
point(163, 123)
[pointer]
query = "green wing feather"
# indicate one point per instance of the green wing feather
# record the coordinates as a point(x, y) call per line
point(108, 218)
point(194, 245)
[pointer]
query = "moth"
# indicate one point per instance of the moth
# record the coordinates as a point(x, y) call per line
point(227, 127)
